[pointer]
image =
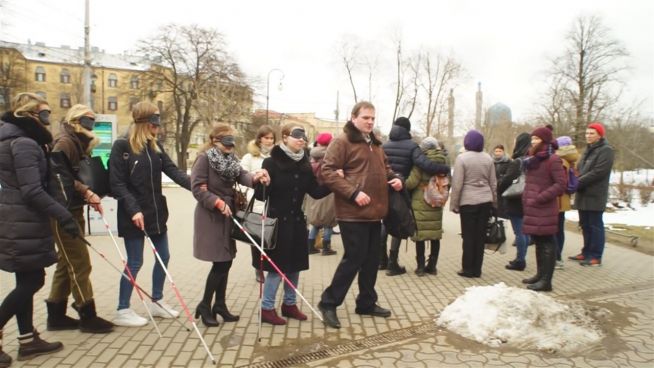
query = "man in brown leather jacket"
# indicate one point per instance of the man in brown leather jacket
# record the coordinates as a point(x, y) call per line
point(361, 201)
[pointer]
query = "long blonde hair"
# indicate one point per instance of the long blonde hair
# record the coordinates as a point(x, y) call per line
point(139, 133)
point(72, 120)
point(25, 103)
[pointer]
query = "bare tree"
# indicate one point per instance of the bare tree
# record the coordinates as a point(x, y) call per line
point(348, 48)
point(12, 74)
point(399, 78)
point(586, 78)
point(440, 74)
point(191, 62)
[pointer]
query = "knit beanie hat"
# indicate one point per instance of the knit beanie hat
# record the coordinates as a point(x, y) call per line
point(598, 127)
point(544, 134)
point(429, 143)
point(474, 141)
point(403, 122)
point(564, 140)
point(323, 139)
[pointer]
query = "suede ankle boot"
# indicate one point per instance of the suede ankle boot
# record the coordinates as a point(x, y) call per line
point(57, 318)
point(292, 311)
point(31, 345)
point(270, 316)
point(89, 321)
point(311, 244)
point(327, 248)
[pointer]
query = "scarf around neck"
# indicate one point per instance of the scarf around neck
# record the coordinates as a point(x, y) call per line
point(225, 164)
point(532, 162)
point(295, 156)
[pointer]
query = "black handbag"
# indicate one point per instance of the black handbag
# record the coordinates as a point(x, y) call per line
point(251, 222)
point(93, 173)
point(494, 235)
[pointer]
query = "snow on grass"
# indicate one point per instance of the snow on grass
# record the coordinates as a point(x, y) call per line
point(498, 314)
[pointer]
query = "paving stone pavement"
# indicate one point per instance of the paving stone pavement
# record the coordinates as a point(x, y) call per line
point(624, 285)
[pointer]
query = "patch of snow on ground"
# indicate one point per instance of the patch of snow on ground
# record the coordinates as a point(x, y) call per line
point(498, 314)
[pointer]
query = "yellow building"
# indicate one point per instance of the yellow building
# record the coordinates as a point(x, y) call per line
point(56, 74)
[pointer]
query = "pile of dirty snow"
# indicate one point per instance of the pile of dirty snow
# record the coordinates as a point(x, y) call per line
point(498, 314)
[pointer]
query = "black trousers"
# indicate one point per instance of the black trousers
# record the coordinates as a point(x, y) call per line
point(473, 226)
point(20, 301)
point(361, 241)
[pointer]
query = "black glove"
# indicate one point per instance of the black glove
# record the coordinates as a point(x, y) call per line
point(70, 227)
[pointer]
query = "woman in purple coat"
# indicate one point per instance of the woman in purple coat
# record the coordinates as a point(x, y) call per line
point(545, 182)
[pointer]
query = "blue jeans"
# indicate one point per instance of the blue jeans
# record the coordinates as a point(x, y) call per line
point(592, 227)
point(134, 247)
point(271, 285)
point(560, 236)
point(521, 240)
point(326, 232)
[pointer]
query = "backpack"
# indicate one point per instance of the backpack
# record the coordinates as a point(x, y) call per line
point(436, 192)
point(573, 181)
point(399, 221)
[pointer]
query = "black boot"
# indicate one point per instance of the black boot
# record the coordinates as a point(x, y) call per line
point(327, 248)
point(311, 244)
point(548, 263)
point(5, 359)
point(394, 267)
point(433, 257)
point(204, 310)
point(89, 321)
point(220, 307)
point(420, 258)
point(383, 254)
point(539, 267)
point(31, 345)
point(57, 318)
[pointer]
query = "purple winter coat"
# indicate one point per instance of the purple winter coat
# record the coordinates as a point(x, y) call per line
point(544, 184)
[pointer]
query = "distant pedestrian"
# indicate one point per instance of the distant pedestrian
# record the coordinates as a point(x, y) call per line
point(569, 156)
point(212, 178)
point(545, 182)
point(473, 197)
point(136, 166)
point(361, 200)
point(501, 161)
point(592, 194)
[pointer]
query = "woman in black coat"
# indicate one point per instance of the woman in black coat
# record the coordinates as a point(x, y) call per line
point(26, 243)
point(291, 178)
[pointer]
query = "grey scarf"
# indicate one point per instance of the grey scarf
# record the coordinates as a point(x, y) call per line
point(226, 165)
point(293, 155)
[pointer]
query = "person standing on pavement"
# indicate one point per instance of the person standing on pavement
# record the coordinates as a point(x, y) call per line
point(473, 197)
point(513, 206)
point(569, 156)
point(501, 161)
point(291, 179)
point(212, 179)
point(320, 212)
point(592, 193)
point(258, 150)
point(429, 220)
point(26, 243)
point(136, 164)
point(403, 153)
point(545, 182)
point(72, 275)
point(361, 201)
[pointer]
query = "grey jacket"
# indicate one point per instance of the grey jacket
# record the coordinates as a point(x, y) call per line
point(473, 181)
point(594, 173)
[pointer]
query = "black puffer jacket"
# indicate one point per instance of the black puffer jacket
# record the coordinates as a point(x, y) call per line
point(25, 208)
point(594, 173)
point(403, 153)
point(513, 206)
point(136, 184)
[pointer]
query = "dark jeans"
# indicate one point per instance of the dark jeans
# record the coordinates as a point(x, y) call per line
point(592, 226)
point(361, 242)
point(560, 236)
point(473, 227)
point(521, 240)
point(20, 301)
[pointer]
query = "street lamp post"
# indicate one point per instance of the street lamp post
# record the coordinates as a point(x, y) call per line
point(268, 89)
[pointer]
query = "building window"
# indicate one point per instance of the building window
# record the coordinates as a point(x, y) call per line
point(113, 103)
point(113, 80)
point(39, 74)
point(64, 100)
point(42, 94)
point(133, 101)
point(134, 82)
point(64, 77)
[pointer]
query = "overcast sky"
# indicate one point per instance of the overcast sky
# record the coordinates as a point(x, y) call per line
point(505, 45)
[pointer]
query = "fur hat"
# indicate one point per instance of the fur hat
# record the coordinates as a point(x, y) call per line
point(598, 127)
point(403, 122)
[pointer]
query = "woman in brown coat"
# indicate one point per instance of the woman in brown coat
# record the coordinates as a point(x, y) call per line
point(213, 175)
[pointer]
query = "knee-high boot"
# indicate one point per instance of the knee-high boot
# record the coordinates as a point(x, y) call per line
point(420, 258)
point(539, 267)
point(220, 307)
point(204, 308)
point(547, 267)
point(433, 257)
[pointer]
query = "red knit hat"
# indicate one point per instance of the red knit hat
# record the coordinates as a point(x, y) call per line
point(598, 127)
point(323, 139)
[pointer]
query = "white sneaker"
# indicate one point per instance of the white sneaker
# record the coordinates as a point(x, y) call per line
point(163, 310)
point(129, 318)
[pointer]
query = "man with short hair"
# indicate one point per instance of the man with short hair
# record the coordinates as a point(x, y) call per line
point(361, 201)
point(592, 193)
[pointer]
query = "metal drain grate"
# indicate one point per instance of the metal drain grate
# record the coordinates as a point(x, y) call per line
point(338, 350)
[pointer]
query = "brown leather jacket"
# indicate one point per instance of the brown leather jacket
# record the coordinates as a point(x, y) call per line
point(365, 168)
point(75, 150)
